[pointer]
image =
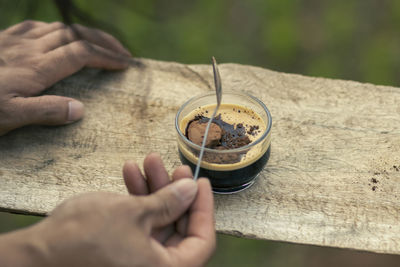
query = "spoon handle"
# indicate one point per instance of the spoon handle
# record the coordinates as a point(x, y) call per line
point(217, 81)
point(218, 91)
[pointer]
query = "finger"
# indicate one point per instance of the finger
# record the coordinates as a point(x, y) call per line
point(134, 180)
point(201, 213)
point(182, 172)
point(46, 110)
point(66, 60)
point(174, 240)
point(182, 224)
point(169, 203)
point(45, 29)
point(100, 38)
point(24, 27)
point(67, 35)
point(200, 241)
point(56, 39)
point(157, 175)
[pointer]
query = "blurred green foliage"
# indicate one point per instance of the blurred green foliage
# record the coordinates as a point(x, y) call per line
point(10, 222)
point(345, 39)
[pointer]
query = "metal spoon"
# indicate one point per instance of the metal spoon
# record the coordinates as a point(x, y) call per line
point(218, 91)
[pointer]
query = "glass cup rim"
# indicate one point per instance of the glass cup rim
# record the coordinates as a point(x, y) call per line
point(235, 150)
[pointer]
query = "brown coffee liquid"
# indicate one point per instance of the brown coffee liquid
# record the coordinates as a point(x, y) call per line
point(235, 120)
point(229, 181)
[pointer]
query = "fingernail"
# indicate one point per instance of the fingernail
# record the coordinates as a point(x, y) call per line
point(75, 111)
point(185, 189)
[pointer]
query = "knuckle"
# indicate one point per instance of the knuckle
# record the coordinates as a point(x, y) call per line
point(66, 35)
point(75, 25)
point(84, 47)
point(28, 22)
point(72, 34)
point(101, 33)
point(58, 25)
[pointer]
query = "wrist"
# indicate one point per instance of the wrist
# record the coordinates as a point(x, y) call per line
point(22, 248)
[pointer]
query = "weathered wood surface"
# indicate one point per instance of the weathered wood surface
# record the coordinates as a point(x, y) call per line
point(329, 139)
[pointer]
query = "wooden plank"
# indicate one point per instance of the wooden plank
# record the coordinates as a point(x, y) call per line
point(329, 139)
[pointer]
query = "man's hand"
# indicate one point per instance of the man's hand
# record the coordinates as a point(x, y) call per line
point(156, 179)
point(162, 224)
point(35, 55)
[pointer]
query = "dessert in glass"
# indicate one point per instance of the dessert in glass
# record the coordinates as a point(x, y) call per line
point(238, 142)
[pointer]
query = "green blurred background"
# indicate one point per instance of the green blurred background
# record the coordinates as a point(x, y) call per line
point(344, 39)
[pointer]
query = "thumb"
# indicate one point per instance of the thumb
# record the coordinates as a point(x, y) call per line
point(169, 203)
point(48, 110)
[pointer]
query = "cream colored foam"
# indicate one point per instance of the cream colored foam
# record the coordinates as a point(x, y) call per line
point(230, 114)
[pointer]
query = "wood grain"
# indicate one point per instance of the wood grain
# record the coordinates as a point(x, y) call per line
point(330, 138)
